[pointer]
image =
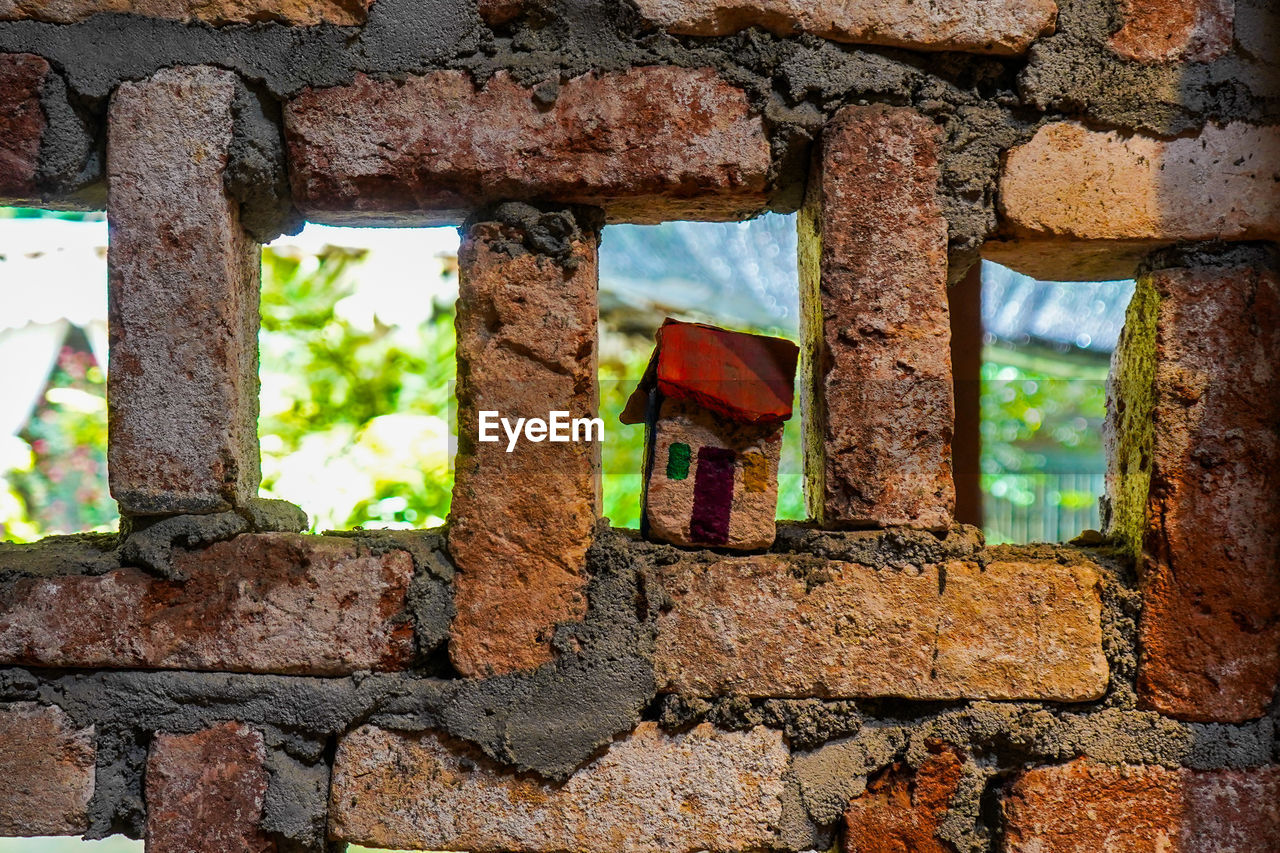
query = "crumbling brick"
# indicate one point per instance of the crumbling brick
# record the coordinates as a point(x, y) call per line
point(297, 12)
point(1085, 807)
point(22, 122)
point(184, 281)
point(774, 625)
point(1088, 205)
point(47, 765)
point(704, 789)
point(1194, 478)
point(648, 144)
point(876, 361)
point(272, 602)
point(522, 512)
point(205, 791)
point(1002, 27)
point(1175, 30)
point(902, 811)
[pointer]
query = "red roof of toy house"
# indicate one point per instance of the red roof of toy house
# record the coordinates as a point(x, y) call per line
point(746, 378)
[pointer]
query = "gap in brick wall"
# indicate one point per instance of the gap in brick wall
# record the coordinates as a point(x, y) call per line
point(1045, 356)
point(358, 365)
point(738, 275)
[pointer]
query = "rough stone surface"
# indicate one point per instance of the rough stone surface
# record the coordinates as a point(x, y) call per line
point(22, 122)
point(521, 521)
point(1194, 480)
point(669, 503)
point(776, 625)
point(876, 357)
point(1080, 204)
point(47, 764)
point(272, 602)
point(1175, 30)
point(205, 791)
point(650, 792)
point(1085, 807)
point(296, 12)
point(647, 144)
point(1004, 27)
point(183, 309)
point(901, 811)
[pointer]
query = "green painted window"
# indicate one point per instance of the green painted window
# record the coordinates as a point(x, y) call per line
point(678, 456)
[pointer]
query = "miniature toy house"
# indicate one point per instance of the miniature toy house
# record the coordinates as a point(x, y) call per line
point(713, 403)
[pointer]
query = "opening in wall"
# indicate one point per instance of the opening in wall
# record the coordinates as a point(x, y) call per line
point(357, 370)
point(737, 275)
point(1046, 350)
point(53, 352)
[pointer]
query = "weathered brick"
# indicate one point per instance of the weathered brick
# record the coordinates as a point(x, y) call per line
point(47, 765)
point(651, 792)
point(773, 625)
point(1079, 204)
point(876, 358)
point(297, 12)
point(498, 12)
point(22, 122)
point(521, 521)
point(1194, 478)
point(648, 144)
point(902, 811)
point(184, 281)
point(205, 791)
point(1086, 807)
point(1004, 27)
point(1175, 30)
point(274, 602)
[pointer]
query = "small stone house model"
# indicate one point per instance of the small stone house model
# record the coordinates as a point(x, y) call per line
point(713, 403)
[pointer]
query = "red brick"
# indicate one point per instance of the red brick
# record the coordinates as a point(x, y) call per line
point(22, 122)
point(1004, 27)
point(876, 354)
point(272, 602)
point(1194, 480)
point(1085, 807)
point(649, 792)
point(774, 625)
point(521, 522)
point(297, 12)
point(47, 765)
point(184, 282)
point(902, 811)
point(1089, 205)
point(1175, 30)
point(205, 791)
point(497, 12)
point(648, 144)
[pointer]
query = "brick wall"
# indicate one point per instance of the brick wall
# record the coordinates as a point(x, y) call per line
point(529, 678)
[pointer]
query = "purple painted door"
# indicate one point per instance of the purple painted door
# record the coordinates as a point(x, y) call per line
point(712, 496)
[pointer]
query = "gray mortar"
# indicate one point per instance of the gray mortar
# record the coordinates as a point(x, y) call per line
point(148, 541)
point(542, 229)
point(257, 175)
point(70, 156)
point(983, 104)
point(556, 718)
point(1075, 73)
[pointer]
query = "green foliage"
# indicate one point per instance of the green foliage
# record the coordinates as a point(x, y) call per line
point(1042, 453)
point(59, 484)
point(355, 406)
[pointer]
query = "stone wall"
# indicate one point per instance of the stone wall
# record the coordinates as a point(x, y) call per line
point(529, 678)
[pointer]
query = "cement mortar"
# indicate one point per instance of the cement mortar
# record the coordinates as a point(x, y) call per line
point(983, 104)
point(553, 720)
